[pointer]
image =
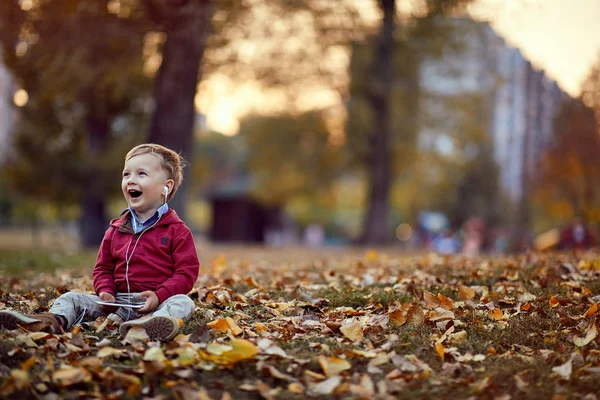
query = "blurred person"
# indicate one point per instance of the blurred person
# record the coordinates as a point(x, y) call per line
point(147, 261)
point(445, 243)
point(474, 229)
point(577, 236)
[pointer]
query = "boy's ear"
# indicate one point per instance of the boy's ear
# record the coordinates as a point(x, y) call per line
point(169, 185)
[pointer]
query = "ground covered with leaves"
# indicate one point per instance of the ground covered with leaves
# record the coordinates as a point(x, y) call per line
point(346, 324)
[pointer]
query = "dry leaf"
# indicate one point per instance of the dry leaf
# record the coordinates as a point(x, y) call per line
point(352, 331)
point(431, 300)
point(68, 376)
point(445, 302)
point(327, 386)
point(154, 354)
point(564, 370)
point(591, 311)
point(333, 365)
point(220, 325)
point(495, 314)
point(465, 293)
point(238, 350)
point(440, 350)
point(589, 336)
point(110, 352)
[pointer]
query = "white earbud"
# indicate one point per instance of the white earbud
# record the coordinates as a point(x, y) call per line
point(166, 190)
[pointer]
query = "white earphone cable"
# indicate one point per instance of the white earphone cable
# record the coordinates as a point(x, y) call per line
point(128, 258)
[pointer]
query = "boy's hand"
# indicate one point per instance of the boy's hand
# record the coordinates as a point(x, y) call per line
point(151, 302)
point(105, 296)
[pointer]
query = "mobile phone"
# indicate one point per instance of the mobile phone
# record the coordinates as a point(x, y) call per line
point(126, 305)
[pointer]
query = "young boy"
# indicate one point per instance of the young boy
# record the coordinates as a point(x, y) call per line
point(147, 257)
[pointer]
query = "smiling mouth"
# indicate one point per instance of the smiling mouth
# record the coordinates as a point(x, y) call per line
point(134, 193)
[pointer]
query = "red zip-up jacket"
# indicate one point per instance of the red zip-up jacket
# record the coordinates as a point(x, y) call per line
point(163, 258)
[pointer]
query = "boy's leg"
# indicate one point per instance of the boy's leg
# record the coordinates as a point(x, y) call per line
point(68, 309)
point(163, 324)
point(179, 306)
point(75, 306)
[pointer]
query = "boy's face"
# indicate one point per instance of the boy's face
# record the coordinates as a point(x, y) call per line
point(143, 184)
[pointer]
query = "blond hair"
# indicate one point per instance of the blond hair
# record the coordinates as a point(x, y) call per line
point(171, 162)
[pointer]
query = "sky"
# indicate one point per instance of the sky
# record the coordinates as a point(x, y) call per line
point(562, 37)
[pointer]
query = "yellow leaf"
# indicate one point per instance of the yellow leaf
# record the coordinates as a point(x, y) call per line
point(465, 293)
point(495, 314)
point(333, 365)
point(239, 349)
point(27, 364)
point(261, 328)
point(219, 325)
point(591, 311)
point(235, 329)
point(440, 350)
point(352, 331)
point(371, 255)
point(154, 354)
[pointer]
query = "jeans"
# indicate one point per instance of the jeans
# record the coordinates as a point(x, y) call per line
point(75, 307)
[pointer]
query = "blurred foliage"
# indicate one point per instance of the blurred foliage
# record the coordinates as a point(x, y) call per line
point(461, 182)
point(289, 155)
point(567, 187)
point(569, 176)
point(82, 68)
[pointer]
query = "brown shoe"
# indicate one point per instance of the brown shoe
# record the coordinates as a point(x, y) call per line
point(157, 327)
point(32, 322)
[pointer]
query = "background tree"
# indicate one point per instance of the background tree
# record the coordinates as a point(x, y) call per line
point(388, 99)
point(82, 67)
point(186, 26)
point(570, 167)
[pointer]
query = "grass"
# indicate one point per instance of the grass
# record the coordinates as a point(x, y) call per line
point(22, 263)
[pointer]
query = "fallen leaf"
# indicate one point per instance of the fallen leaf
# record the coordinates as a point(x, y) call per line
point(445, 302)
point(591, 311)
point(440, 350)
point(220, 325)
point(431, 300)
point(327, 386)
point(333, 365)
point(564, 370)
point(110, 352)
point(239, 349)
point(352, 331)
point(154, 354)
point(68, 376)
point(465, 293)
point(589, 336)
point(495, 314)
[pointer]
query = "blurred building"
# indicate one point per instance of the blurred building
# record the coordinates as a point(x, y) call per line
point(7, 113)
point(512, 101)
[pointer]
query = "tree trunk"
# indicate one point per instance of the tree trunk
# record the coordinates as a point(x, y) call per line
point(93, 222)
point(375, 228)
point(175, 86)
